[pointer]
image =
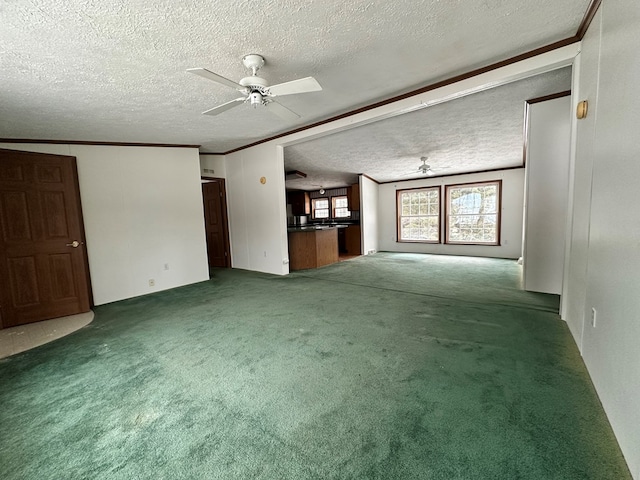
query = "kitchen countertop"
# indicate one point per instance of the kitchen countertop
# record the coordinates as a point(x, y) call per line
point(312, 228)
point(309, 227)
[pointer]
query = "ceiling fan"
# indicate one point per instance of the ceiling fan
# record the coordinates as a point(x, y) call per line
point(424, 168)
point(256, 90)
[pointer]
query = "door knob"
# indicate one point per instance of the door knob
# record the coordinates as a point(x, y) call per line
point(74, 244)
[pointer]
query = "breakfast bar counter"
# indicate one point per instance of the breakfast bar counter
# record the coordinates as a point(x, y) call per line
point(312, 247)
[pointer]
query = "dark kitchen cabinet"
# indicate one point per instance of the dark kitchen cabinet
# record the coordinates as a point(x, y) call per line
point(300, 203)
point(353, 197)
point(352, 241)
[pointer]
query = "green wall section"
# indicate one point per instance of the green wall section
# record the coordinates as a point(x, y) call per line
point(382, 367)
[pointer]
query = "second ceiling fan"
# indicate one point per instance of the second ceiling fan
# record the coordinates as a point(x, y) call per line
point(256, 90)
point(425, 169)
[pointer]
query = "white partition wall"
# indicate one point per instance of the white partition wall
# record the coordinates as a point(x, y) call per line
point(606, 229)
point(257, 209)
point(546, 190)
point(369, 215)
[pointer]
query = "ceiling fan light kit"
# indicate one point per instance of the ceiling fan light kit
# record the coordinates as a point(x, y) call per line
point(256, 99)
point(256, 90)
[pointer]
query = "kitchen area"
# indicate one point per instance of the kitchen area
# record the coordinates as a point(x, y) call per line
point(323, 226)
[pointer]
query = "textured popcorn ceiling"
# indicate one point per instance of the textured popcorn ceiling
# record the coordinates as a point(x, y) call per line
point(94, 70)
point(116, 70)
point(478, 132)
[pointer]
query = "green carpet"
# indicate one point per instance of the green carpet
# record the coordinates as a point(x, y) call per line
point(392, 366)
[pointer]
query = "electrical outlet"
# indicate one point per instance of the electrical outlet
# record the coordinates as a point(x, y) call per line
point(265, 254)
point(152, 282)
point(593, 317)
point(166, 266)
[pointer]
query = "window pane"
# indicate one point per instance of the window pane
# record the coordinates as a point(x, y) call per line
point(320, 207)
point(342, 212)
point(340, 207)
point(419, 215)
point(473, 213)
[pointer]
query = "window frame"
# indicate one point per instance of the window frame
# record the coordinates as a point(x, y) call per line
point(399, 215)
point(447, 208)
point(333, 206)
point(313, 208)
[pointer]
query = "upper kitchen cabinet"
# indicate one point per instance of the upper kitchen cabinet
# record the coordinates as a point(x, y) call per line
point(300, 203)
point(353, 194)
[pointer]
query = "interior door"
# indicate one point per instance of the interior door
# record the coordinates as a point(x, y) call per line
point(43, 261)
point(216, 226)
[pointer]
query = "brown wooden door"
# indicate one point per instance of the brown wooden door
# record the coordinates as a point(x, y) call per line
point(215, 219)
point(43, 262)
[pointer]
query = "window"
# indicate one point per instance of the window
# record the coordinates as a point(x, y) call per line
point(473, 213)
point(419, 215)
point(320, 208)
point(340, 207)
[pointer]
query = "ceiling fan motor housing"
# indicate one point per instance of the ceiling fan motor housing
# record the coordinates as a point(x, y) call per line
point(257, 89)
point(253, 81)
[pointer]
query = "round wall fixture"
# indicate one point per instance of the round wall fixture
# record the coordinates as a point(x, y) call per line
point(263, 180)
point(582, 109)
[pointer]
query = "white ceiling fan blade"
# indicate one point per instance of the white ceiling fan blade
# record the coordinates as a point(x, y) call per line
point(224, 107)
point(203, 72)
point(282, 111)
point(302, 85)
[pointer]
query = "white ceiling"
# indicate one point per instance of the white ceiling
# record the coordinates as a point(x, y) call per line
point(90, 70)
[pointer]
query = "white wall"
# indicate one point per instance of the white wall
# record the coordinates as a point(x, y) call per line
point(607, 172)
point(546, 187)
point(369, 215)
point(142, 209)
point(213, 166)
point(511, 219)
point(257, 212)
point(585, 85)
